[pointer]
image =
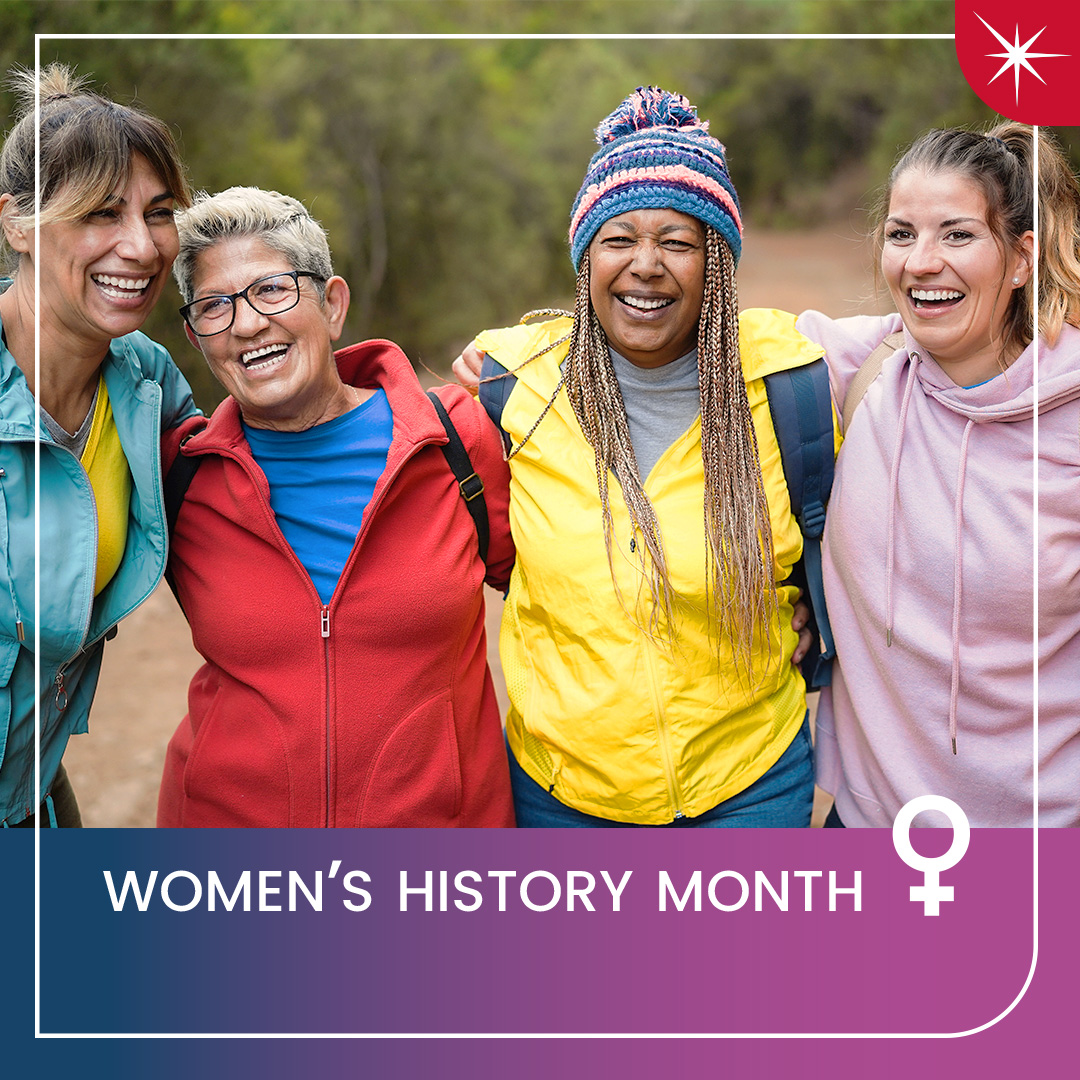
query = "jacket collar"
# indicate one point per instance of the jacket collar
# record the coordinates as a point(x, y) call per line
point(368, 365)
point(18, 408)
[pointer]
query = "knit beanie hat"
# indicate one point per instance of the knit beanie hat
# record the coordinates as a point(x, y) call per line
point(655, 154)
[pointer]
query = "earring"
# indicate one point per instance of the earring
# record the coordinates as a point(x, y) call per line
point(1016, 281)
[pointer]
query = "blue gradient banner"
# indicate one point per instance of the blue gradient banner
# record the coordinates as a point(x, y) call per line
point(431, 932)
point(93, 969)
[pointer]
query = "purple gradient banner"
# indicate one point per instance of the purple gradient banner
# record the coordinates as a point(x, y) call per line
point(707, 931)
point(99, 968)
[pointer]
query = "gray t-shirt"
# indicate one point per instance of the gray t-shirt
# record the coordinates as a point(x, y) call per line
point(661, 404)
point(75, 443)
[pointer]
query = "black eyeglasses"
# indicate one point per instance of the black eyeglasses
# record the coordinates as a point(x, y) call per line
point(270, 295)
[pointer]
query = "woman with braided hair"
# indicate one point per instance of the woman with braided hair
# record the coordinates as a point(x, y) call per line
point(648, 637)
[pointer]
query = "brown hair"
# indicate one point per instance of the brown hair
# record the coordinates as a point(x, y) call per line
point(87, 144)
point(1000, 162)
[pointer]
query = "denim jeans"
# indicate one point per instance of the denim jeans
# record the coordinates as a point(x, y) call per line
point(781, 799)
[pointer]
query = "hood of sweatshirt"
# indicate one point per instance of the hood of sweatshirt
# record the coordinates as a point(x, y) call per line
point(1009, 396)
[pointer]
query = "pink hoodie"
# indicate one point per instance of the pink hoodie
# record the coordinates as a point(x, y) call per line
point(928, 544)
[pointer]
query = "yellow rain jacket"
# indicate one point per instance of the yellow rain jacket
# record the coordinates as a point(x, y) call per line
point(611, 722)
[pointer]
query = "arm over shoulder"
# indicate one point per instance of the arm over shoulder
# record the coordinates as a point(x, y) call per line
point(847, 343)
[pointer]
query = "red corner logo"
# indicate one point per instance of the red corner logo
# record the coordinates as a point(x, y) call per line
point(1023, 60)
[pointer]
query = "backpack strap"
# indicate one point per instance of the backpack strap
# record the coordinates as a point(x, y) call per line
point(494, 395)
point(801, 406)
point(469, 483)
point(867, 373)
point(177, 481)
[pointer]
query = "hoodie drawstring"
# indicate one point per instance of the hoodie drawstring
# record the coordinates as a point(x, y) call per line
point(958, 580)
point(890, 546)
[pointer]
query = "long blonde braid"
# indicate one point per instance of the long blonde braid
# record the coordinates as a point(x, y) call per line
point(738, 532)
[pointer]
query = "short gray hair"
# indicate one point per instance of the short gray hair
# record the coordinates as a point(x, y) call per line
point(280, 222)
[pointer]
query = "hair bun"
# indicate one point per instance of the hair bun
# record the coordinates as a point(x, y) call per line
point(650, 107)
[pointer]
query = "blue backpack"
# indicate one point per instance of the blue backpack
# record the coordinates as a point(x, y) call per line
point(802, 416)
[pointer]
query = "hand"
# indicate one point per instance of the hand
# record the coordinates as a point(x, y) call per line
point(467, 366)
point(799, 620)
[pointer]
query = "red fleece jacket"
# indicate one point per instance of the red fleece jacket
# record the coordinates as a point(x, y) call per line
point(378, 708)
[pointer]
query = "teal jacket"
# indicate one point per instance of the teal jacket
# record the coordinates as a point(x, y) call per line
point(148, 395)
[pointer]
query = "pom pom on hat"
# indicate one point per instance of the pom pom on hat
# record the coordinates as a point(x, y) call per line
point(655, 153)
point(649, 107)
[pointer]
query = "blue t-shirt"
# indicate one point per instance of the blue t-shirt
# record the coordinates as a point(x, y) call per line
point(321, 481)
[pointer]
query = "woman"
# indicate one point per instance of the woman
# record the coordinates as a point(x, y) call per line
point(648, 657)
point(928, 544)
point(325, 555)
point(110, 178)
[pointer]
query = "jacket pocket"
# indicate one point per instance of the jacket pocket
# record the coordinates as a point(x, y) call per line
point(9, 653)
point(415, 778)
point(236, 774)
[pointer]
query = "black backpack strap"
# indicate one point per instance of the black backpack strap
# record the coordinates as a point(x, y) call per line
point(177, 481)
point(469, 483)
point(494, 395)
point(801, 406)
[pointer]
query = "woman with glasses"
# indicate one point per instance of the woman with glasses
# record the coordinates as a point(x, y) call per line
point(98, 400)
point(325, 555)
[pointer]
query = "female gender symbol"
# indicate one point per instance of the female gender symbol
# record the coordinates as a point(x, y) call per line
point(930, 892)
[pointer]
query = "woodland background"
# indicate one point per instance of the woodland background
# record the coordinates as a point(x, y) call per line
point(444, 169)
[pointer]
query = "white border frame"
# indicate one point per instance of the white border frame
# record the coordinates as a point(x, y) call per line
point(38, 1034)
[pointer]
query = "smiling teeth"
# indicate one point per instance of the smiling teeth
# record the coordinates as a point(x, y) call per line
point(250, 359)
point(128, 284)
point(645, 305)
point(936, 294)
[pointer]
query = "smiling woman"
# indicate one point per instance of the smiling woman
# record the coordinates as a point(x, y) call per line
point(928, 545)
point(650, 629)
point(325, 557)
point(950, 276)
point(647, 283)
point(98, 400)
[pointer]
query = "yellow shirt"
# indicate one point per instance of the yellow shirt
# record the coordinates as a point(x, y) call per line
point(107, 467)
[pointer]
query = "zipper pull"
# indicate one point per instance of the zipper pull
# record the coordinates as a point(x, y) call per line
point(61, 699)
point(325, 626)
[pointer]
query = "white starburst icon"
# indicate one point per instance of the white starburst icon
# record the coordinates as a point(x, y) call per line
point(1017, 55)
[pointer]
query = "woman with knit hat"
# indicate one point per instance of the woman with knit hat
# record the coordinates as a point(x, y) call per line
point(647, 637)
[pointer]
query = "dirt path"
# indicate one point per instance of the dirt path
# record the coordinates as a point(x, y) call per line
point(142, 696)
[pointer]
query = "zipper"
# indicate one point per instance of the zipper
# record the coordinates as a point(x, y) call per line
point(663, 736)
point(324, 630)
point(61, 699)
point(324, 609)
point(82, 483)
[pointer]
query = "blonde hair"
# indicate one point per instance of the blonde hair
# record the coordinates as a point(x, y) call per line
point(87, 146)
